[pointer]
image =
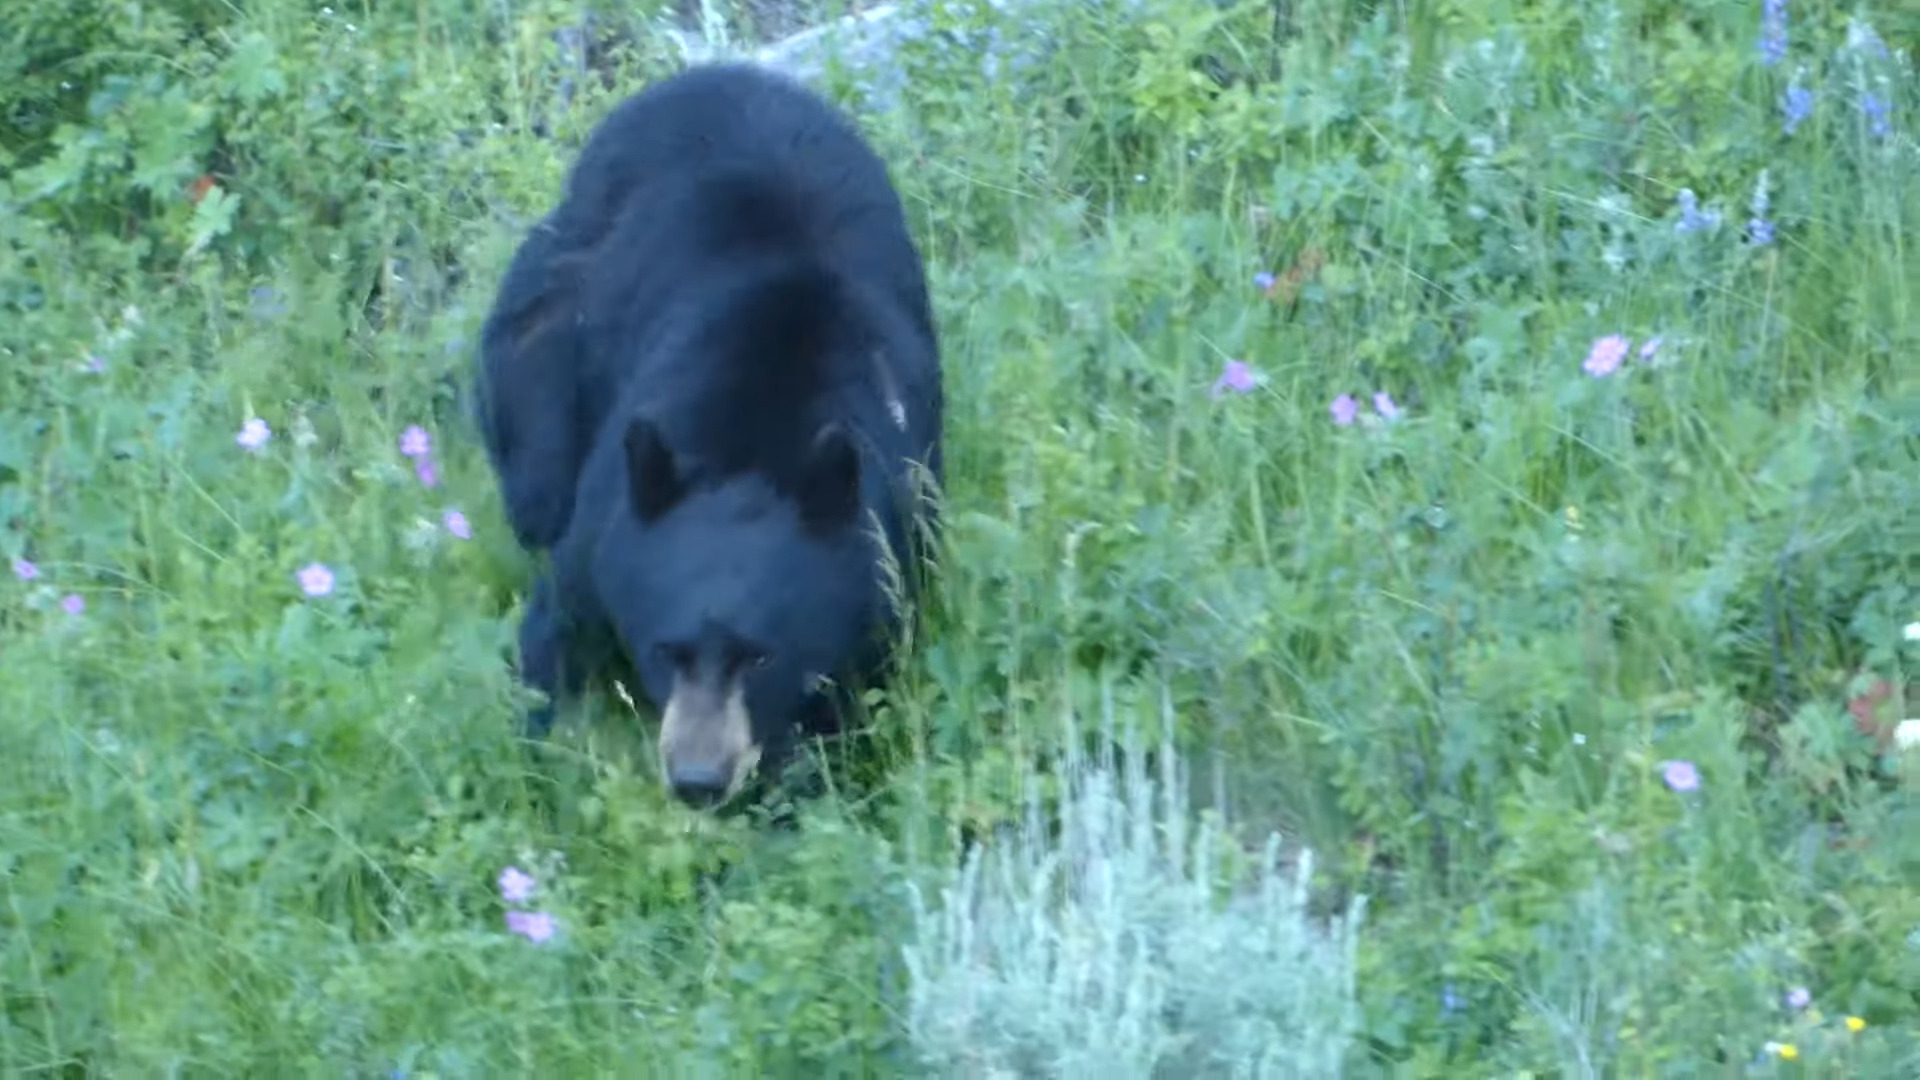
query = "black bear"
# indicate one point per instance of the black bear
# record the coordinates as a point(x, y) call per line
point(706, 386)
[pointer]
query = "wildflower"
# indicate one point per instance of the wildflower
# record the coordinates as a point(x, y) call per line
point(1264, 281)
point(1759, 229)
point(254, 434)
point(1906, 734)
point(1692, 218)
point(535, 926)
point(94, 364)
point(1680, 775)
point(25, 570)
point(1797, 103)
point(1605, 356)
point(1238, 377)
point(457, 524)
point(1652, 346)
point(415, 443)
point(1344, 409)
point(1798, 998)
point(73, 604)
point(425, 470)
point(315, 579)
point(1773, 32)
point(264, 303)
point(516, 886)
point(1911, 631)
point(1879, 123)
point(1855, 1024)
point(1384, 405)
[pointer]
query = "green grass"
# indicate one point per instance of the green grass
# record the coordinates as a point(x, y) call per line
point(248, 832)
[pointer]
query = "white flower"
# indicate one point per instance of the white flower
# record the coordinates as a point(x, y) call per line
point(1906, 734)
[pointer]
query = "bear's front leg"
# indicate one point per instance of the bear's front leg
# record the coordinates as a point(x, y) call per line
point(549, 655)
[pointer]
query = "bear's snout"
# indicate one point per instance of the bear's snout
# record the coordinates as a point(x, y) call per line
point(707, 749)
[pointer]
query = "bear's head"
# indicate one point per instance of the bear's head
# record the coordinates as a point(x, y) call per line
point(734, 596)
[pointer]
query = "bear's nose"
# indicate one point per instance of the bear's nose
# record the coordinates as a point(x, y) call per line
point(699, 786)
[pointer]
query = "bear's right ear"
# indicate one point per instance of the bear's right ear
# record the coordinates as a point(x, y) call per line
point(653, 479)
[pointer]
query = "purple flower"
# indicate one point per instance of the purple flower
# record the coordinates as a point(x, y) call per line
point(1263, 281)
point(94, 364)
point(1692, 218)
point(423, 468)
point(1344, 409)
point(264, 303)
point(415, 443)
point(315, 579)
point(253, 434)
point(1652, 346)
point(25, 570)
point(1759, 228)
point(1879, 123)
point(73, 604)
point(1680, 775)
point(1237, 377)
point(1797, 104)
point(516, 886)
point(1773, 32)
point(535, 926)
point(1605, 356)
point(1798, 998)
point(1383, 404)
point(457, 524)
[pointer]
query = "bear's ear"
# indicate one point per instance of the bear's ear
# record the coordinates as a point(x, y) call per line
point(653, 479)
point(829, 489)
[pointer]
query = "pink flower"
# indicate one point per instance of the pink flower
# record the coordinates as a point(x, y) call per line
point(253, 434)
point(415, 443)
point(73, 604)
point(25, 570)
point(1237, 377)
point(1680, 775)
point(1383, 404)
point(1344, 409)
point(458, 525)
point(535, 926)
point(315, 579)
point(516, 886)
point(423, 468)
point(1605, 356)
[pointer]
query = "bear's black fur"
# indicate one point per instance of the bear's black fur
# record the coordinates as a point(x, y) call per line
point(709, 373)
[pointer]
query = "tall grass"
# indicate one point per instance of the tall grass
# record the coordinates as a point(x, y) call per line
point(1475, 444)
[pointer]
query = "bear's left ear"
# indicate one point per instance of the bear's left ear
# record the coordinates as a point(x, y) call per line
point(829, 488)
point(653, 478)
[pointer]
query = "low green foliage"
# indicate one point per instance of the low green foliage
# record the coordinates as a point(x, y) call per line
point(1453, 640)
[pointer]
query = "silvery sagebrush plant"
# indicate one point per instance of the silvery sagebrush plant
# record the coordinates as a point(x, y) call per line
point(1096, 942)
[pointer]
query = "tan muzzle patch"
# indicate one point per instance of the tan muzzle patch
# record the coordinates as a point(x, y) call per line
point(707, 750)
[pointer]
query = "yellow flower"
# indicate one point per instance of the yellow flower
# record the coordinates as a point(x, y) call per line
point(1854, 1023)
point(1786, 1051)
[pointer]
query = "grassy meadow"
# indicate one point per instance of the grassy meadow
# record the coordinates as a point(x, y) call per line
point(1429, 586)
